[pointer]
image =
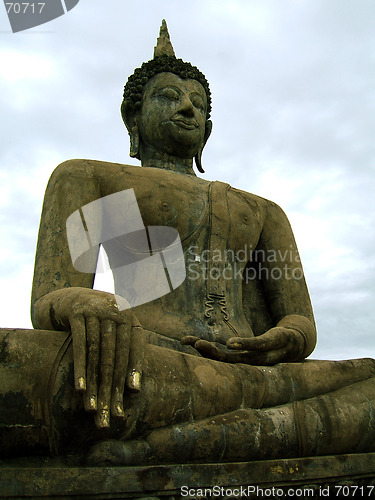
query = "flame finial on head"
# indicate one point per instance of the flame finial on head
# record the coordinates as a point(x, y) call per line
point(164, 46)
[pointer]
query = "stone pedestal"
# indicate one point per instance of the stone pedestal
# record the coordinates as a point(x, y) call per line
point(340, 475)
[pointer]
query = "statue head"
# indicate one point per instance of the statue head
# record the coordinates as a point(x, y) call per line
point(167, 105)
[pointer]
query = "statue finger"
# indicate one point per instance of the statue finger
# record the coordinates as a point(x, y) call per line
point(189, 340)
point(121, 366)
point(210, 350)
point(107, 361)
point(273, 357)
point(272, 339)
point(78, 329)
point(90, 397)
point(137, 347)
point(260, 358)
point(256, 358)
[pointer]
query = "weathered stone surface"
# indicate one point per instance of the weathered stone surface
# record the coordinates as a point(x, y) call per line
point(282, 418)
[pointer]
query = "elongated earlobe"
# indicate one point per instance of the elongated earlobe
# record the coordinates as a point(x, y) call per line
point(198, 156)
point(134, 142)
point(198, 162)
point(130, 122)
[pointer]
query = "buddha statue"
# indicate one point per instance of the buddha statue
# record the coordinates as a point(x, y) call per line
point(214, 370)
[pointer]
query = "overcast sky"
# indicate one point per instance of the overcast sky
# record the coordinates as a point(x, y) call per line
point(293, 86)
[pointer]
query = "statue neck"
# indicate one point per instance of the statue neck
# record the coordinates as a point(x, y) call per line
point(168, 162)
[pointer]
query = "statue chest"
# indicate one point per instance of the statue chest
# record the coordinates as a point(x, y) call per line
point(196, 217)
point(196, 208)
point(165, 202)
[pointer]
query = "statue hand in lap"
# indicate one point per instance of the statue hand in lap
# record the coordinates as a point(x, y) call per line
point(285, 342)
point(107, 346)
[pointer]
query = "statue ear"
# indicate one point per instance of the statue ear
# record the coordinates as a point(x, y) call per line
point(130, 120)
point(198, 156)
point(134, 142)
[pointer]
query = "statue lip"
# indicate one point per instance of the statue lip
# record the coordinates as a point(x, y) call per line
point(184, 123)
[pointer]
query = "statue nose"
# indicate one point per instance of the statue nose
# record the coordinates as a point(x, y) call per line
point(186, 107)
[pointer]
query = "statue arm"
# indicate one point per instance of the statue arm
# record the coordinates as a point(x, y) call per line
point(293, 336)
point(106, 349)
point(72, 185)
point(284, 284)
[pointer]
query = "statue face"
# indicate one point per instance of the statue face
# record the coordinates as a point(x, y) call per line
point(173, 115)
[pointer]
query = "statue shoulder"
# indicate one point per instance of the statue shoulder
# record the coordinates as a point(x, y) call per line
point(89, 168)
point(268, 210)
point(253, 200)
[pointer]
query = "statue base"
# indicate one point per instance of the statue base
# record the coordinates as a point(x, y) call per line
point(338, 475)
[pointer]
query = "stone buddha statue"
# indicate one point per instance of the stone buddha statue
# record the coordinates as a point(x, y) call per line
point(214, 370)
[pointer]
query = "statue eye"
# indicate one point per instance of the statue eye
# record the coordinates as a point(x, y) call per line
point(169, 93)
point(197, 102)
